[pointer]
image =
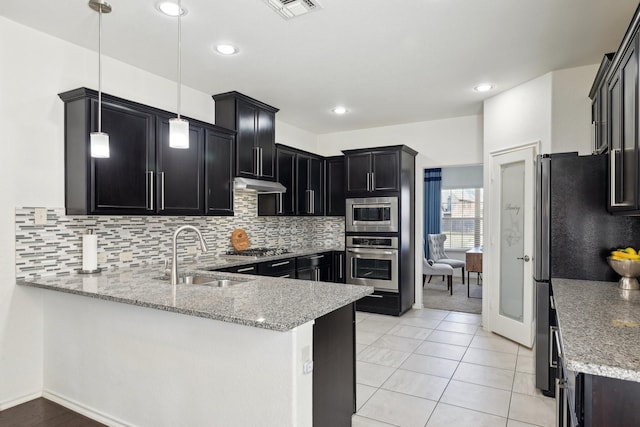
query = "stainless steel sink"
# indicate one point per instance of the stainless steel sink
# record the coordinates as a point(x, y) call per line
point(196, 279)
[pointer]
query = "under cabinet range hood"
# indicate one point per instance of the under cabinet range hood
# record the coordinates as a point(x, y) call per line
point(249, 184)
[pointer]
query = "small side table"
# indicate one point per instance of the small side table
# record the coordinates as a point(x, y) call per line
point(474, 264)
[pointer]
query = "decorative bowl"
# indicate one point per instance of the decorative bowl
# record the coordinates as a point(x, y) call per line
point(629, 270)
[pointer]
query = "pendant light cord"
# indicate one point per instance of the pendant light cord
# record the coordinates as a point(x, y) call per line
point(100, 69)
point(179, 53)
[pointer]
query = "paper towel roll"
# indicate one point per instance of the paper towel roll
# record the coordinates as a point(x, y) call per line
point(89, 252)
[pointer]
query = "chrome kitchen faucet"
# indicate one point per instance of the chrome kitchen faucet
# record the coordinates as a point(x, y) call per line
point(174, 255)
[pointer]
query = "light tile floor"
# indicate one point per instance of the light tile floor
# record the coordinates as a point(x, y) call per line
point(433, 368)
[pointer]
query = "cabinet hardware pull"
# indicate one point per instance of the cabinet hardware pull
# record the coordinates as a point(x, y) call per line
point(162, 193)
point(280, 205)
point(340, 266)
point(552, 363)
point(286, 276)
point(313, 201)
point(278, 264)
point(256, 160)
point(552, 302)
point(373, 181)
point(614, 154)
point(368, 181)
point(375, 296)
point(260, 165)
point(560, 385)
point(150, 195)
point(242, 270)
point(316, 257)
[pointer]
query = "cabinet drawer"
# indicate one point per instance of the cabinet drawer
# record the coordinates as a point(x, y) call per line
point(380, 302)
point(313, 260)
point(243, 269)
point(278, 268)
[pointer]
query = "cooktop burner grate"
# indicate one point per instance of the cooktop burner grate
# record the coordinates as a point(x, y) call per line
point(257, 252)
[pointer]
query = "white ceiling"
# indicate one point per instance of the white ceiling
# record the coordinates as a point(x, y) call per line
point(389, 62)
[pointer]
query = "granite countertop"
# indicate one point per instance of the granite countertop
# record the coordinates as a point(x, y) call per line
point(264, 302)
point(599, 328)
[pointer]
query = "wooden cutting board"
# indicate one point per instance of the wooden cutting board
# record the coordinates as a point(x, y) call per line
point(239, 239)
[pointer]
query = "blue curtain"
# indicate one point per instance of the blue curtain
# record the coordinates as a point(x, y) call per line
point(432, 192)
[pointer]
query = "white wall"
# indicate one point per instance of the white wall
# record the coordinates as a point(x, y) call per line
point(34, 70)
point(571, 109)
point(447, 142)
point(295, 137)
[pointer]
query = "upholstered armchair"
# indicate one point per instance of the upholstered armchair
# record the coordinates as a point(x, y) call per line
point(430, 268)
point(438, 255)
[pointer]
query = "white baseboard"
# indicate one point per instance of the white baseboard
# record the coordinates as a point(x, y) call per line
point(84, 410)
point(19, 400)
point(417, 306)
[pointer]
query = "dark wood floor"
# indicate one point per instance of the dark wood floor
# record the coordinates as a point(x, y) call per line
point(43, 413)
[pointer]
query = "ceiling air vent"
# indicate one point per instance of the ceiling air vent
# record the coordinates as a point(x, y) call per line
point(293, 8)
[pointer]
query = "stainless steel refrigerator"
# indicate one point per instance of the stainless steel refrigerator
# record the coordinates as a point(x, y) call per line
point(574, 233)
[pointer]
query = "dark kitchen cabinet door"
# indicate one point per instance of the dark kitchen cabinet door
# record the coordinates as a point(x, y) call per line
point(254, 123)
point(286, 173)
point(309, 183)
point(334, 186)
point(218, 166)
point(385, 172)
point(371, 172)
point(265, 141)
point(285, 203)
point(247, 154)
point(122, 183)
point(623, 132)
point(179, 173)
point(338, 267)
point(599, 106)
point(358, 168)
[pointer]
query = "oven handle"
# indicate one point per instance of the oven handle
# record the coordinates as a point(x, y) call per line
point(372, 251)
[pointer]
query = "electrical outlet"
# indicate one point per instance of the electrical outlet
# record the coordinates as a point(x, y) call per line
point(102, 257)
point(126, 256)
point(192, 250)
point(40, 217)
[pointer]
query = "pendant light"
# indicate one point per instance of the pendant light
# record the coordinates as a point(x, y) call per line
point(179, 128)
point(99, 140)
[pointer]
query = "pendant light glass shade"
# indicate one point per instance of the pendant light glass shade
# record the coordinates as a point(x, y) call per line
point(99, 141)
point(99, 145)
point(178, 133)
point(179, 128)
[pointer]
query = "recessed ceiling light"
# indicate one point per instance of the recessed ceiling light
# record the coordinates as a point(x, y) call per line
point(483, 87)
point(226, 49)
point(171, 9)
point(340, 110)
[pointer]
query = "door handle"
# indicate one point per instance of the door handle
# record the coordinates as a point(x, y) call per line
point(525, 258)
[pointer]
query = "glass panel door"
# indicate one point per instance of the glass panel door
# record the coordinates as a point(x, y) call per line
point(512, 240)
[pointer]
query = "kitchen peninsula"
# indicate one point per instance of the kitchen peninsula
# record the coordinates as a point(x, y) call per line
point(129, 349)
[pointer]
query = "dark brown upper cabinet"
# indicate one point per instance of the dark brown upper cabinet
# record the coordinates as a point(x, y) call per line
point(143, 175)
point(622, 99)
point(334, 186)
point(254, 123)
point(302, 174)
point(598, 96)
point(374, 171)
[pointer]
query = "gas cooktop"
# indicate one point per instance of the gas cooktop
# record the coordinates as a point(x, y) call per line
point(256, 253)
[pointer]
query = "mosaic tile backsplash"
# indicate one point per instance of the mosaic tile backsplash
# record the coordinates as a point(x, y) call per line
point(56, 248)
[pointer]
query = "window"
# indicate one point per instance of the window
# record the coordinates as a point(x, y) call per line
point(462, 217)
